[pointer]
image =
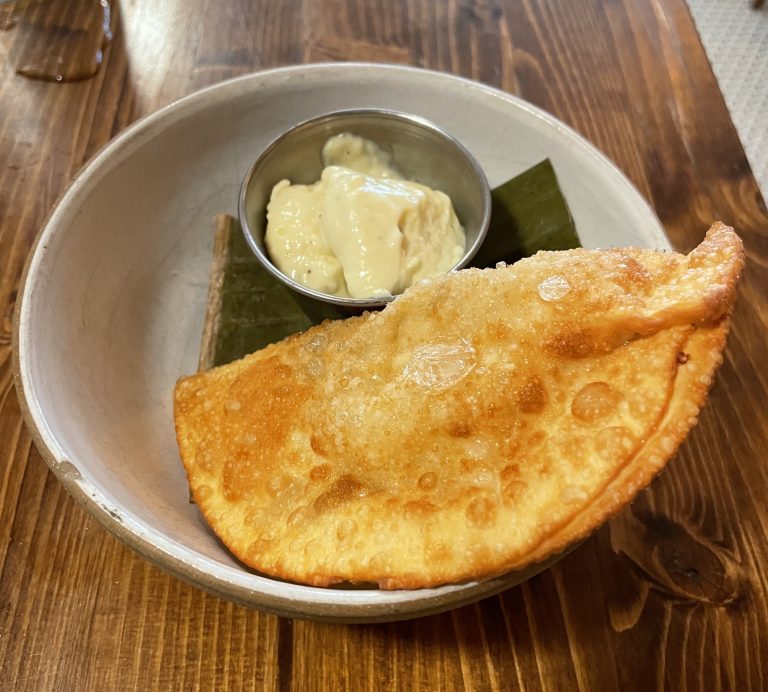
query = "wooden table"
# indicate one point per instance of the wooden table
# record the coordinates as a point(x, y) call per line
point(672, 593)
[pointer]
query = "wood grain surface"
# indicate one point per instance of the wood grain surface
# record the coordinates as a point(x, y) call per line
point(671, 594)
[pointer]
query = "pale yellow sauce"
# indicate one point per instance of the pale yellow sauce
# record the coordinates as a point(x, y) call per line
point(361, 231)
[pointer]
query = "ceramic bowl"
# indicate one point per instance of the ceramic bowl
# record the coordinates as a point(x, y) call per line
point(422, 152)
point(113, 297)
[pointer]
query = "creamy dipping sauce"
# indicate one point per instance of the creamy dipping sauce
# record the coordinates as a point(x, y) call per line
point(362, 230)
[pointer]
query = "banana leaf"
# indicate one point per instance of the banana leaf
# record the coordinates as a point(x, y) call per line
point(248, 309)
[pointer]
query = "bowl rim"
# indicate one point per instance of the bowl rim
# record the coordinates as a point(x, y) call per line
point(285, 598)
point(386, 113)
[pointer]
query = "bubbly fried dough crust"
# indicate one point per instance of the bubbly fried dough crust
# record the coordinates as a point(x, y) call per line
point(483, 421)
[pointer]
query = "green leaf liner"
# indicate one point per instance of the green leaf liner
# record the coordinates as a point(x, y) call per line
point(249, 309)
point(528, 214)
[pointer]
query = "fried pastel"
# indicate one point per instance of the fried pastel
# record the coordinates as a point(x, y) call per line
point(483, 421)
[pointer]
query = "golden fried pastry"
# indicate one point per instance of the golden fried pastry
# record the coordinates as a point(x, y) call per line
point(485, 420)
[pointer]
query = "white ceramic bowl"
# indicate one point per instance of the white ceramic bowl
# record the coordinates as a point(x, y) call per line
point(111, 309)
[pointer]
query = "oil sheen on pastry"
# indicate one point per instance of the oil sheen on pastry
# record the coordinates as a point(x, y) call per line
point(483, 421)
